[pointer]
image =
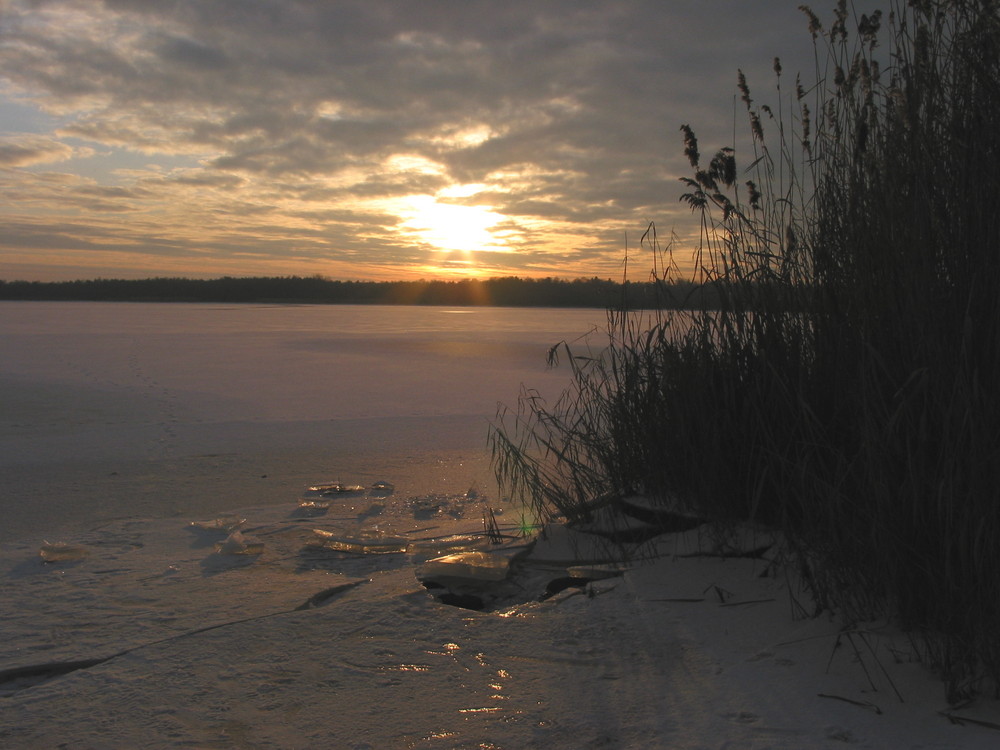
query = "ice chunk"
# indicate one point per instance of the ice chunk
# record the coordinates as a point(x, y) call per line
point(559, 545)
point(441, 545)
point(479, 566)
point(237, 544)
point(368, 542)
point(336, 488)
point(597, 572)
point(428, 505)
point(222, 524)
point(311, 508)
point(314, 504)
point(62, 552)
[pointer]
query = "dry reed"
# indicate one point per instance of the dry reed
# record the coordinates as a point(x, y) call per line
point(847, 388)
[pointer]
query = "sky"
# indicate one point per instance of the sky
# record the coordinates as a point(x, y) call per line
point(366, 139)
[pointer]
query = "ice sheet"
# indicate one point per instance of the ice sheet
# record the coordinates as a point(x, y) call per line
point(111, 410)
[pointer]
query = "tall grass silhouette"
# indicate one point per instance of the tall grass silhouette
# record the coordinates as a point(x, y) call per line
point(847, 389)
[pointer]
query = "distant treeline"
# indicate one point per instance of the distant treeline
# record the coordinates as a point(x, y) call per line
point(501, 292)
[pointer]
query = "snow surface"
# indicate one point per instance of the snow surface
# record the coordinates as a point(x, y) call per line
point(158, 628)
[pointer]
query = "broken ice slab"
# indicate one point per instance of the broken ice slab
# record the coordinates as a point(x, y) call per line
point(365, 542)
point(441, 545)
point(560, 545)
point(336, 488)
point(428, 505)
point(237, 544)
point(668, 517)
point(743, 540)
point(612, 523)
point(312, 508)
point(314, 504)
point(598, 571)
point(222, 524)
point(62, 552)
point(478, 566)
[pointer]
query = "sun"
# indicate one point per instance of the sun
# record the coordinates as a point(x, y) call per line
point(453, 227)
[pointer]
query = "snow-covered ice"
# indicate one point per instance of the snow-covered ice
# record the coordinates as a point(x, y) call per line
point(156, 639)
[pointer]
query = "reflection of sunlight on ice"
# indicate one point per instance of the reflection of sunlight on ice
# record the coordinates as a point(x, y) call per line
point(410, 668)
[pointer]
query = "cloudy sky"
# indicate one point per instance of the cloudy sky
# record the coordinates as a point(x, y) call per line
point(363, 139)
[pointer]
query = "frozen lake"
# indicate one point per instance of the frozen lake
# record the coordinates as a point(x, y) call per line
point(120, 424)
point(154, 410)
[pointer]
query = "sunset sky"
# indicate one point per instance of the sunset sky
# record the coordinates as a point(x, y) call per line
point(364, 139)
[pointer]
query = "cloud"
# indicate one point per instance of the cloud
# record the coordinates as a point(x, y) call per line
point(190, 53)
point(567, 111)
point(26, 149)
